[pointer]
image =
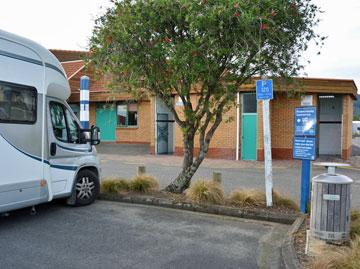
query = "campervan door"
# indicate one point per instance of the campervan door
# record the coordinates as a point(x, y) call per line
point(23, 176)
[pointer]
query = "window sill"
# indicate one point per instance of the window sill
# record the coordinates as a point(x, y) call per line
point(127, 127)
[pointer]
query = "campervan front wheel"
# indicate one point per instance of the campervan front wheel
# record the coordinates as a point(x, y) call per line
point(87, 187)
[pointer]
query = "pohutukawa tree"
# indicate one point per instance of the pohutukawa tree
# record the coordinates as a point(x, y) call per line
point(202, 48)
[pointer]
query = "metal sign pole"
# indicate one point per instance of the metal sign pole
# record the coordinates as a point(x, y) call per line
point(304, 148)
point(264, 92)
point(305, 185)
point(267, 152)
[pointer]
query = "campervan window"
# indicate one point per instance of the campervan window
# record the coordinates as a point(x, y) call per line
point(65, 127)
point(17, 103)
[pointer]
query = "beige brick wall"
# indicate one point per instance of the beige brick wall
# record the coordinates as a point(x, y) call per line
point(141, 133)
point(282, 121)
point(282, 126)
point(92, 115)
point(225, 135)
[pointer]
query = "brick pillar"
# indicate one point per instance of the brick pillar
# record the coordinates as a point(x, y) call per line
point(346, 138)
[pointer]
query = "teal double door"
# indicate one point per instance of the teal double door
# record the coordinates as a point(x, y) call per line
point(106, 120)
point(249, 127)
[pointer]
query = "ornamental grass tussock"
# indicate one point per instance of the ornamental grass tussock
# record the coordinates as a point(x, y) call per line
point(115, 185)
point(205, 191)
point(345, 258)
point(281, 200)
point(257, 198)
point(144, 184)
point(247, 197)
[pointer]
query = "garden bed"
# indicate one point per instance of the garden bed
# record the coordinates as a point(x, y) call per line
point(179, 201)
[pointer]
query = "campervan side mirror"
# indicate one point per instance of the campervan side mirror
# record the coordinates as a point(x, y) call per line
point(95, 135)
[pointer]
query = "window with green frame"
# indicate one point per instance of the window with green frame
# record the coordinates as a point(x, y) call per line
point(127, 114)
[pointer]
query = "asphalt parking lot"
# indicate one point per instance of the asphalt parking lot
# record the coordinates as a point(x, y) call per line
point(115, 235)
point(123, 160)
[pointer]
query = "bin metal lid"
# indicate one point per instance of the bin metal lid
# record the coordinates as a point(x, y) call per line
point(332, 179)
point(331, 164)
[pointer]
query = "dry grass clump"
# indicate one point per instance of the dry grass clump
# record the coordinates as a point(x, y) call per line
point(115, 185)
point(247, 197)
point(205, 191)
point(144, 183)
point(343, 259)
point(283, 201)
point(254, 197)
point(355, 224)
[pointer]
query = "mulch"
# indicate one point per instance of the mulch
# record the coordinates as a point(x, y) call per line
point(300, 243)
point(181, 198)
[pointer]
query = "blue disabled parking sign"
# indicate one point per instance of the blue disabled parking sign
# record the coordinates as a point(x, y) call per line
point(264, 89)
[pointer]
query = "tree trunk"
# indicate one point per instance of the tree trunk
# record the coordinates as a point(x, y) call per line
point(182, 181)
point(190, 166)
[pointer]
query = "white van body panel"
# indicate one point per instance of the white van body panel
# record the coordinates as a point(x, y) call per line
point(28, 174)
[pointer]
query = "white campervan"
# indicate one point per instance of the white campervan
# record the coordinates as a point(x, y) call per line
point(44, 153)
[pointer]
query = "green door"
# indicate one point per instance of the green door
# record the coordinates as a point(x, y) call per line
point(249, 127)
point(106, 121)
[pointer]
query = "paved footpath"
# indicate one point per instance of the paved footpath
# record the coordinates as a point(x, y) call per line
point(116, 235)
point(235, 174)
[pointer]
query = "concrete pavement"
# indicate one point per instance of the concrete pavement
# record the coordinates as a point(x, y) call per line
point(235, 174)
point(115, 235)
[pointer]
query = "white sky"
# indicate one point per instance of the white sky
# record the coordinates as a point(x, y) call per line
point(67, 24)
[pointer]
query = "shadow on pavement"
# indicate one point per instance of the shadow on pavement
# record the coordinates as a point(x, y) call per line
point(123, 149)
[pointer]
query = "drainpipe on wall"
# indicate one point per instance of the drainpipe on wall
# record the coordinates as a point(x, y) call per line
point(237, 125)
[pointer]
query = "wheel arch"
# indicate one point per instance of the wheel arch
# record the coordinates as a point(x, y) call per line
point(93, 168)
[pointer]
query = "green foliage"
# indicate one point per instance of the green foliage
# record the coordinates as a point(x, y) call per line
point(143, 183)
point(169, 45)
point(205, 191)
point(114, 185)
point(356, 118)
point(207, 47)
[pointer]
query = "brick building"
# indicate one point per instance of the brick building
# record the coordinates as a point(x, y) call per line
point(117, 115)
point(122, 120)
point(242, 138)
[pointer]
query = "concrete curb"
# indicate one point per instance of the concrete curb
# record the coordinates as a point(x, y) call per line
point(288, 250)
point(211, 209)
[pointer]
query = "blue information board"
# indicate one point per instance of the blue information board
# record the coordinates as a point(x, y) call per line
point(304, 148)
point(305, 121)
point(264, 89)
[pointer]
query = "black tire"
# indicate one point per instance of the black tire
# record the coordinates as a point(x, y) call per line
point(86, 188)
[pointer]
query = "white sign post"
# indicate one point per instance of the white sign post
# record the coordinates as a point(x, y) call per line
point(264, 92)
point(267, 152)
